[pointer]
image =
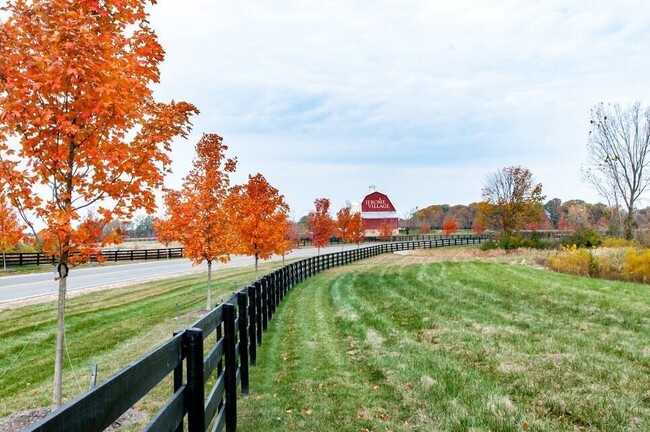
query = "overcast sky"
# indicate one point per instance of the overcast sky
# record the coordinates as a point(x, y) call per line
point(420, 98)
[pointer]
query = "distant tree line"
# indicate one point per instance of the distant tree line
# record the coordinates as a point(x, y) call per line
point(555, 215)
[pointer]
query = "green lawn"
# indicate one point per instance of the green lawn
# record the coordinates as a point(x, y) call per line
point(111, 328)
point(379, 345)
point(462, 346)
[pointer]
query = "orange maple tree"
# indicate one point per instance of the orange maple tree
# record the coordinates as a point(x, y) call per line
point(11, 230)
point(358, 233)
point(320, 223)
point(260, 219)
point(350, 225)
point(385, 230)
point(290, 238)
point(198, 215)
point(449, 226)
point(479, 226)
point(425, 229)
point(77, 115)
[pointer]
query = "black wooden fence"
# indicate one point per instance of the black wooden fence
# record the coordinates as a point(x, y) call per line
point(19, 259)
point(39, 258)
point(239, 324)
point(305, 241)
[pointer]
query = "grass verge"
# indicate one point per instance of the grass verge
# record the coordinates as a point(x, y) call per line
point(454, 346)
point(111, 328)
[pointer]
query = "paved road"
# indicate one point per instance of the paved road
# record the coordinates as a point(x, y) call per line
point(21, 287)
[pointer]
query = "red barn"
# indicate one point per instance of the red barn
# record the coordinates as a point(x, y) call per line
point(376, 209)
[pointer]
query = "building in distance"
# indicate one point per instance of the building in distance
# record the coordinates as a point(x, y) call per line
point(377, 211)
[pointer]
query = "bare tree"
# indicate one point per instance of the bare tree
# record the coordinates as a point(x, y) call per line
point(618, 146)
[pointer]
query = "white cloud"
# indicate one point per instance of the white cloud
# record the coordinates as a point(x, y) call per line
point(420, 98)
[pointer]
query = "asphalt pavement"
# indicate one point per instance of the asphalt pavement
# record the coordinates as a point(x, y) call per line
point(25, 286)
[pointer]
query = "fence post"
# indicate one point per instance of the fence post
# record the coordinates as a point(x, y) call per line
point(252, 326)
point(218, 336)
point(178, 380)
point(229, 349)
point(242, 302)
point(258, 309)
point(195, 386)
point(265, 304)
point(271, 290)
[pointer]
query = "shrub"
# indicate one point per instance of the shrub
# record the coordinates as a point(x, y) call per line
point(637, 265)
point(584, 237)
point(575, 261)
point(615, 242)
point(490, 245)
point(532, 241)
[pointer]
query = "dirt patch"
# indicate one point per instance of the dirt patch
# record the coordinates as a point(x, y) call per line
point(22, 419)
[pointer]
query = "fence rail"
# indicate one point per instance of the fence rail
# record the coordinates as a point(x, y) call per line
point(238, 324)
point(19, 259)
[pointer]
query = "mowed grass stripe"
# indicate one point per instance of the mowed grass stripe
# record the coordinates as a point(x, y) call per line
point(455, 346)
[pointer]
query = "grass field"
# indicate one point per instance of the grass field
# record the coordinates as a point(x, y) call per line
point(399, 343)
point(454, 346)
point(111, 328)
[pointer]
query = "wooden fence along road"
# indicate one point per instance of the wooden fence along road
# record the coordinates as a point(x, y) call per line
point(39, 258)
point(19, 259)
point(239, 324)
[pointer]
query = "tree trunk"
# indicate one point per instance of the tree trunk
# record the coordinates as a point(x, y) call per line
point(4, 260)
point(282, 260)
point(60, 343)
point(257, 257)
point(628, 229)
point(209, 302)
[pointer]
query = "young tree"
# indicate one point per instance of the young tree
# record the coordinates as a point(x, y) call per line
point(166, 233)
point(357, 232)
point(385, 230)
point(350, 225)
point(260, 219)
point(199, 212)
point(75, 94)
point(344, 223)
point(512, 199)
point(449, 226)
point(619, 153)
point(290, 238)
point(11, 230)
point(425, 229)
point(478, 226)
point(321, 223)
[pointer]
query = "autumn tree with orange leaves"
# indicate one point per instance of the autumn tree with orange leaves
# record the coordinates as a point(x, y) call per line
point(198, 214)
point(260, 219)
point(478, 226)
point(77, 115)
point(449, 226)
point(321, 223)
point(290, 238)
point(350, 225)
point(385, 230)
point(11, 230)
point(512, 199)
